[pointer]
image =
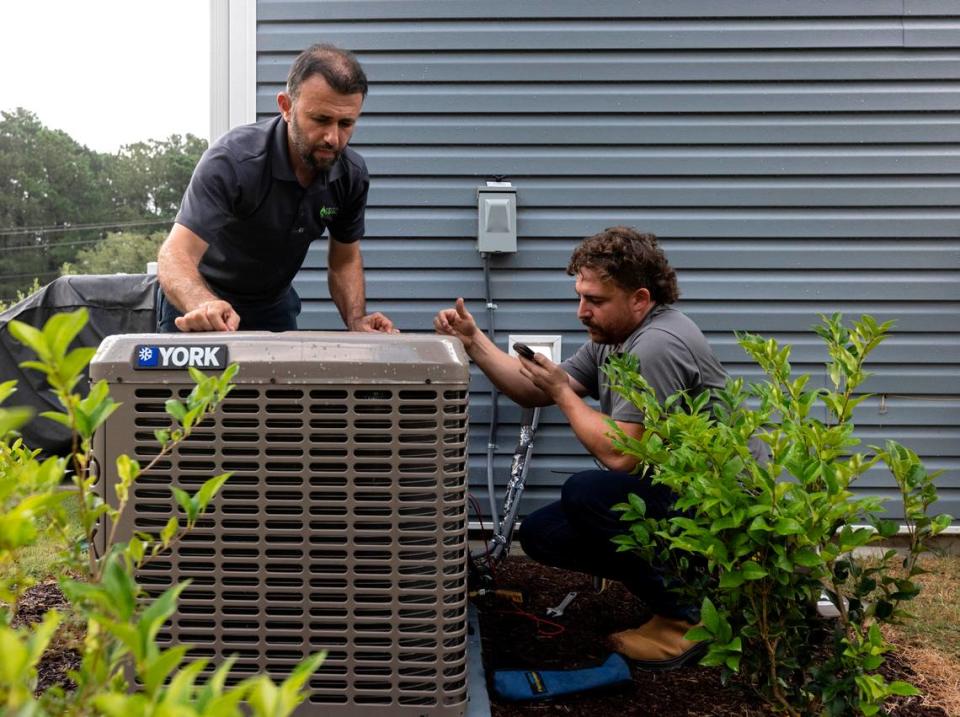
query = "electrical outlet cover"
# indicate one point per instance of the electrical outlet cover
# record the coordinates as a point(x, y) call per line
point(546, 344)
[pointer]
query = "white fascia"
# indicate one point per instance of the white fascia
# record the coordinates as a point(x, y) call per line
point(233, 64)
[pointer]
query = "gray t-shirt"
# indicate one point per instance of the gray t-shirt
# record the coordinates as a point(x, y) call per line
point(673, 354)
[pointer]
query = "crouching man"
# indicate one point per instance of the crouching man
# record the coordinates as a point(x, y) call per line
point(626, 289)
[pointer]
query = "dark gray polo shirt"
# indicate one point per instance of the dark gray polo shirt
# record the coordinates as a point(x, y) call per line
point(244, 200)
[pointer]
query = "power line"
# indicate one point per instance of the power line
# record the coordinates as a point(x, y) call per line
point(22, 231)
point(44, 245)
point(31, 275)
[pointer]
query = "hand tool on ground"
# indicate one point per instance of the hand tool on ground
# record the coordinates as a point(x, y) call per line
point(517, 597)
point(557, 611)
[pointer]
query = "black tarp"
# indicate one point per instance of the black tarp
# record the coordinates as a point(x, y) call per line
point(116, 303)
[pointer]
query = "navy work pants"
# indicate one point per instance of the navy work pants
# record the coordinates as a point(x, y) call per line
point(575, 533)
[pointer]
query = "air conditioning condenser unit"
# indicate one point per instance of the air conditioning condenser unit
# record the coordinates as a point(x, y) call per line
point(343, 527)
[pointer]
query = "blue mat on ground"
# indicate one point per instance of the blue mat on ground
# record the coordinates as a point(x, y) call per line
point(518, 685)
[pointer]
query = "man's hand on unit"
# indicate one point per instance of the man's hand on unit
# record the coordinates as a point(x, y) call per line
point(215, 315)
point(374, 323)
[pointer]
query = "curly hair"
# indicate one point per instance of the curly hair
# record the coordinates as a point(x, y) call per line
point(630, 259)
point(340, 68)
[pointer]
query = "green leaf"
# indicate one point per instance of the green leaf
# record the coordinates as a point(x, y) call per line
point(127, 469)
point(135, 549)
point(58, 417)
point(157, 669)
point(7, 389)
point(887, 528)
point(176, 409)
point(120, 587)
point(63, 328)
point(709, 616)
point(191, 416)
point(169, 530)
point(157, 613)
point(197, 375)
point(698, 634)
point(100, 413)
point(290, 688)
point(731, 579)
point(210, 698)
point(787, 526)
point(904, 689)
point(209, 489)
point(181, 688)
point(883, 609)
point(183, 499)
point(752, 571)
point(28, 336)
point(941, 523)
point(637, 503)
point(12, 419)
point(807, 557)
point(38, 366)
point(119, 705)
point(76, 360)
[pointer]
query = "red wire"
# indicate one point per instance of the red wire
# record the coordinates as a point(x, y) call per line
point(545, 628)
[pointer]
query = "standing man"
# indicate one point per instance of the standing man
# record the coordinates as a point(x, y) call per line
point(257, 199)
point(626, 288)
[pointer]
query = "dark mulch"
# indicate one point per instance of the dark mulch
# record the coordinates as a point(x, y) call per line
point(511, 640)
point(57, 661)
point(36, 601)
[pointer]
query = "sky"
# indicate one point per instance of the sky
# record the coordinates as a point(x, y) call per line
point(108, 72)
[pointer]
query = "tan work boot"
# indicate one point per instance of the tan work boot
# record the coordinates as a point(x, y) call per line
point(658, 644)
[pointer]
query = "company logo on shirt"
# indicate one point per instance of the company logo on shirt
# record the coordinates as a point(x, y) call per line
point(327, 212)
point(180, 357)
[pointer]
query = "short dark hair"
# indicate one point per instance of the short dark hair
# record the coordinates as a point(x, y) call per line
point(630, 259)
point(340, 68)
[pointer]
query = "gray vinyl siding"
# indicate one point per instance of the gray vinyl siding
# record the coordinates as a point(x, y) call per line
point(796, 157)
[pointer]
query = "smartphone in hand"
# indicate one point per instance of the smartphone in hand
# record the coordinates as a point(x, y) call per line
point(524, 351)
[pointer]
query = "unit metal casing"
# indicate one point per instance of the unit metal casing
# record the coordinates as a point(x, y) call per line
point(342, 527)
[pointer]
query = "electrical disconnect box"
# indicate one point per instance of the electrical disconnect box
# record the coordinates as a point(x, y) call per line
point(497, 218)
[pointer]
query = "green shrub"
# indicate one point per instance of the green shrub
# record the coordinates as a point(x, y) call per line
point(121, 623)
point(756, 543)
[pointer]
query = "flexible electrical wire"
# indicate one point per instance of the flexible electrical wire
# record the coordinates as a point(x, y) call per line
point(494, 396)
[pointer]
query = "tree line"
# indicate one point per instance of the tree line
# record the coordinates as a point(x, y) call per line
point(65, 208)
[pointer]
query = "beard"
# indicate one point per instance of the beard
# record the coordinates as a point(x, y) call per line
point(597, 334)
point(606, 335)
point(306, 151)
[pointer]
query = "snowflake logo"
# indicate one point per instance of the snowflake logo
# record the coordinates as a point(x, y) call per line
point(146, 353)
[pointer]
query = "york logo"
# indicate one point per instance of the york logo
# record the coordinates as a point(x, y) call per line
point(173, 357)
